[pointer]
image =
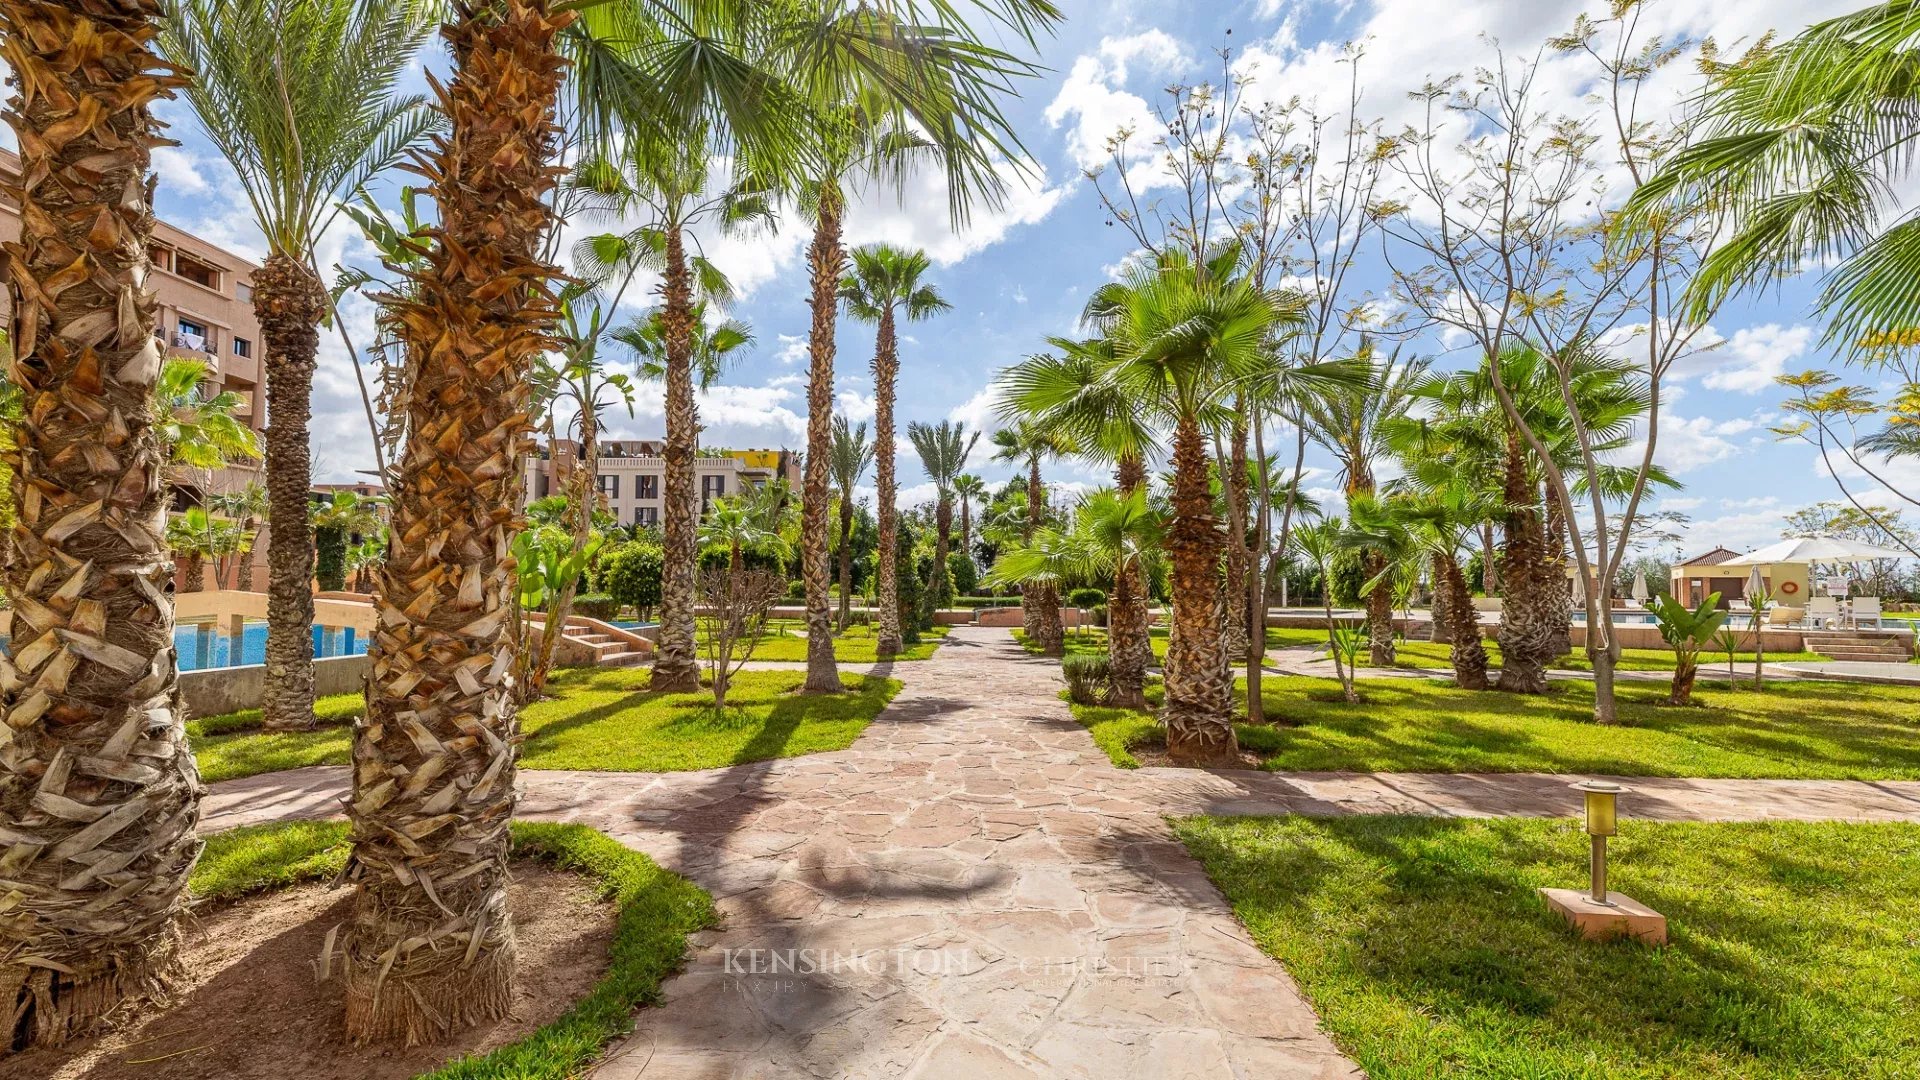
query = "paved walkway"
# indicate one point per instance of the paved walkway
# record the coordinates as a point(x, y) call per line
point(973, 891)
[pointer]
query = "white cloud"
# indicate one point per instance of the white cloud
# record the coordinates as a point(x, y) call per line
point(176, 170)
point(793, 348)
point(1093, 102)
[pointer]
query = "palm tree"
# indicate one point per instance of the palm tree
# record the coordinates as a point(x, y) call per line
point(90, 694)
point(1029, 443)
point(852, 453)
point(200, 432)
point(300, 99)
point(344, 515)
point(197, 536)
point(969, 489)
point(1352, 424)
point(1069, 390)
point(943, 450)
point(1185, 338)
point(1123, 534)
point(430, 948)
point(1441, 519)
point(711, 347)
point(883, 288)
point(248, 508)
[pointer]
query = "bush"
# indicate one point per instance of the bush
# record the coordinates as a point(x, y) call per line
point(796, 590)
point(330, 558)
point(985, 601)
point(965, 575)
point(1347, 577)
point(1098, 614)
point(1089, 678)
point(911, 586)
point(630, 576)
point(596, 606)
point(1086, 598)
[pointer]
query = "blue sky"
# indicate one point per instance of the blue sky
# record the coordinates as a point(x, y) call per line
point(1021, 271)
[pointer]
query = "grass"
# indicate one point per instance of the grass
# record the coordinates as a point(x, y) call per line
point(1093, 641)
point(1813, 730)
point(657, 910)
point(603, 719)
point(1426, 953)
point(1427, 654)
point(786, 640)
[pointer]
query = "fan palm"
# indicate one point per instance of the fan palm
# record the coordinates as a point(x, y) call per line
point(852, 453)
point(1124, 533)
point(200, 432)
point(1185, 338)
point(1028, 443)
point(883, 288)
point(712, 347)
point(943, 450)
point(89, 689)
point(248, 508)
point(196, 536)
point(300, 99)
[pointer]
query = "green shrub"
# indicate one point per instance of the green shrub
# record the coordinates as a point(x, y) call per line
point(1347, 577)
point(630, 575)
point(1086, 598)
point(1098, 614)
point(965, 575)
point(596, 606)
point(330, 558)
point(796, 590)
point(1089, 677)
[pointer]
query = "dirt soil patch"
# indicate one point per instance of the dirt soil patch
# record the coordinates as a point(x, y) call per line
point(250, 1008)
point(1155, 754)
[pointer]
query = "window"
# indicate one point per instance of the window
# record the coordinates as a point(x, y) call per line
point(242, 347)
point(711, 488)
point(610, 485)
point(189, 334)
point(649, 487)
point(245, 292)
point(196, 271)
point(646, 515)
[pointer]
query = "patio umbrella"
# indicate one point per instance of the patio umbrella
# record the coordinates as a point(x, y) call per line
point(1755, 584)
point(1813, 549)
point(1579, 589)
point(1639, 587)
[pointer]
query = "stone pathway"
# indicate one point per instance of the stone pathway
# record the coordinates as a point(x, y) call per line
point(973, 891)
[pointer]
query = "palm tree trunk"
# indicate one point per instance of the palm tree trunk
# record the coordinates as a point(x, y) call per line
point(1685, 669)
point(289, 302)
point(430, 948)
point(940, 589)
point(966, 526)
point(1489, 565)
point(1199, 701)
point(676, 668)
point(1380, 652)
point(886, 369)
point(826, 260)
point(1040, 600)
point(1234, 630)
point(100, 795)
point(1129, 640)
point(243, 576)
point(1469, 653)
point(846, 561)
point(1442, 633)
point(1526, 633)
point(195, 575)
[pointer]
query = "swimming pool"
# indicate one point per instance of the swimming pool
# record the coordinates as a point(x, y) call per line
point(1624, 618)
point(202, 645)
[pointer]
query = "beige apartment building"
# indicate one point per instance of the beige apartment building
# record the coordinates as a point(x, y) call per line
point(206, 312)
point(633, 473)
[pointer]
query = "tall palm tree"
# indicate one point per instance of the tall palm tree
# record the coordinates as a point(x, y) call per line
point(89, 690)
point(300, 99)
point(852, 453)
point(884, 288)
point(430, 948)
point(943, 450)
point(1352, 423)
point(1069, 390)
point(1029, 443)
point(1185, 339)
point(712, 348)
point(969, 489)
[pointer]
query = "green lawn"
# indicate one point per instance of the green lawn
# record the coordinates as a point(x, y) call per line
point(658, 909)
point(787, 640)
point(1427, 654)
point(1093, 641)
point(1803, 729)
point(603, 719)
point(1426, 952)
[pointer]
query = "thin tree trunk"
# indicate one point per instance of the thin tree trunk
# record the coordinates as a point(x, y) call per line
point(100, 796)
point(1129, 636)
point(676, 668)
point(1234, 633)
point(430, 948)
point(1040, 600)
point(289, 303)
point(1489, 564)
point(1256, 654)
point(1559, 584)
point(1199, 690)
point(826, 261)
point(886, 369)
point(846, 561)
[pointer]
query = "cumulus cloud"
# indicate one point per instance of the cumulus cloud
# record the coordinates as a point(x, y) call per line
point(1094, 106)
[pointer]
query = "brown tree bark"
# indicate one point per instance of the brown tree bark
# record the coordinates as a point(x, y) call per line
point(1380, 644)
point(1129, 640)
point(826, 262)
point(99, 795)
point(1199, 688)
point(1469, 652)
point(676, 668)
point(1040, 600)
point(1526, 633)
point(430, 947)
point(194, 575)
point(846, 562)
point(289, 301)
point(886, 372)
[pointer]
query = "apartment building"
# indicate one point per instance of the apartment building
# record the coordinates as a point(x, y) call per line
point(205, 296)
point(633, 473)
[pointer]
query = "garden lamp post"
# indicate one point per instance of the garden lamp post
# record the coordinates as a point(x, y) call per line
point(1602, 822)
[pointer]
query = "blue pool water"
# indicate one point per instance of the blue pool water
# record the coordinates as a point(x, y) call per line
point(203, 645)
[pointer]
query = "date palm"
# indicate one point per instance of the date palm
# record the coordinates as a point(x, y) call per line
point(883, 288)
point(852, 454)
point(100, 796)
point(943, 450)
point(1028, 443)
point(1185, 338)
point(247, 507)
point(299, 97)
point(969, 489)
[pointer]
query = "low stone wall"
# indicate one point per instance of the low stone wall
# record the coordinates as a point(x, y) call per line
point(214, 691)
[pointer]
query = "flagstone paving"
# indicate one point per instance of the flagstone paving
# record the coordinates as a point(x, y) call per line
point(972, 890)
